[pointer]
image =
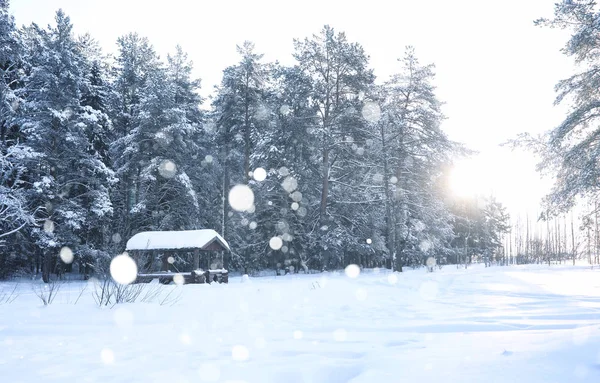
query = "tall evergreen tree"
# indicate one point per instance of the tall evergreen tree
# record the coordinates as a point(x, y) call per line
point(71, 182)
point(338, 75)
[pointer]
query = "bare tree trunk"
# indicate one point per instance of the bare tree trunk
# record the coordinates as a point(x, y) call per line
point(325, 187)
point(573, 249)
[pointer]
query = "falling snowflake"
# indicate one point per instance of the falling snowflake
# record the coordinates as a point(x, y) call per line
point(123, 269)
point(66, 255)
point(259, 174)
point(352, 271)
point(107, 356)
point(241, 198)
point(275, 243)
point(283, 171)
point(167, 169)
point(289, 184)
point(48, 226)
point(296, 196)
point(371, 112)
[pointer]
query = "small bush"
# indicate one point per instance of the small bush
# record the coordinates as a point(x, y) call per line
point(47, 292)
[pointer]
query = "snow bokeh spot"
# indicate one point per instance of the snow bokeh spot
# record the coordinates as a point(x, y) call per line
point(298, 335)
point(393, 180)
point(252, 225)
point(430, 262)
point(123, 269)
point(167, 169)
point(259, 174)
point(287, 237)
point(302, 211)
point(276, 243)
point(283, 171)
point(360, 151)
point(361, 294)
point(285, 109)
point(107, 356)
point(352, 271)
point(371, 112)
point(425, 246)
point(178, 279)
point(283, 226)
point(209, 372)
point(240, 353)
point(295, 206)
point(296, 196)
point(171, 260)
point(289, 184)
point(340, 335)
point(48, 226)
point(116, 238)
point(208, 158)
point(66, 255)
point(241, 198)
point(369, 241)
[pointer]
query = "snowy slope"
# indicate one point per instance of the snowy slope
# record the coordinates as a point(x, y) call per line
point(511, 324)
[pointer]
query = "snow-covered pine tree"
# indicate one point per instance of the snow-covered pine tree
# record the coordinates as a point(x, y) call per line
point(14, 212)
point(338, 76)
point(241, 114)
point(201, 167)
point(285, 198)
point(134, 63)
point(414, 151)
point(71, 182)
point(570, 150)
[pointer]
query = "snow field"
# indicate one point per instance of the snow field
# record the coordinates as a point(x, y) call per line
point(518, 324)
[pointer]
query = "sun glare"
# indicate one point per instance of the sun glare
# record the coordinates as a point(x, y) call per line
point(469, 178)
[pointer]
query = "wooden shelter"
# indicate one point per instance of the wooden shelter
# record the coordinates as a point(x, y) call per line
point(166, 243)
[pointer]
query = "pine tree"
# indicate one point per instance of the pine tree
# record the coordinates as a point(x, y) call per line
point(338, 74)
point(413, 152)
point(570, 150)
point(241, 115)
point(134, 65)
point(71, 181)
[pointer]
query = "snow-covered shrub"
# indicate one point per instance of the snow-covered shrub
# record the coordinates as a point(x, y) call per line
point(107, 292)
point(47, 292)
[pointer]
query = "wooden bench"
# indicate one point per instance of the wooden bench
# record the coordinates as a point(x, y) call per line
point(197, 276)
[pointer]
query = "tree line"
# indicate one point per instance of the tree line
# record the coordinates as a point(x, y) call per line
point(95, 148)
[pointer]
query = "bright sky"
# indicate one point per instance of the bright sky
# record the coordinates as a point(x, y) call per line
point(495, 70)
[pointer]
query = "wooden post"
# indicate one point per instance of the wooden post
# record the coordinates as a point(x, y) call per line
point(196, 259)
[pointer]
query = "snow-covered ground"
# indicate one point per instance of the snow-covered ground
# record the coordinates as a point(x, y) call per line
point(501, 324)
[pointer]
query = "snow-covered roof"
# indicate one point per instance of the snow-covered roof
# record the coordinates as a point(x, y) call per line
point(172, 240)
